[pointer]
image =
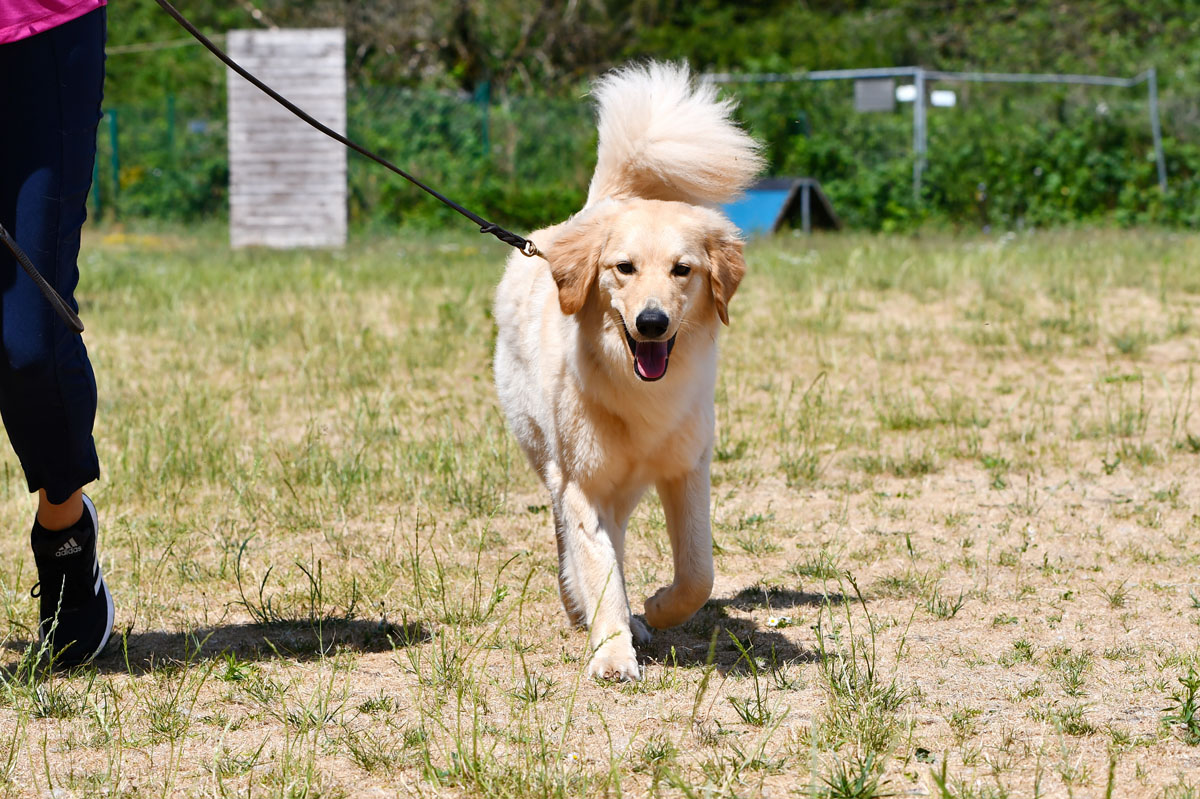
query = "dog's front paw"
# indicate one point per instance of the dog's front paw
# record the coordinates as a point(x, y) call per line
point(615, 660)
point(641, 633)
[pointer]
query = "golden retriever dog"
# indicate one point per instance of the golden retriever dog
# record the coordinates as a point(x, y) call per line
point(606, 351)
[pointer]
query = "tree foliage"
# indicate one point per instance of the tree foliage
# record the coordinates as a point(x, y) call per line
point(552, 46)
point(422, 73)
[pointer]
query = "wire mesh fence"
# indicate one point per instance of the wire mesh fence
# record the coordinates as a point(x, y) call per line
point(520, 160)
point(1006, 152)
point(167, 160)
point(1005, 155)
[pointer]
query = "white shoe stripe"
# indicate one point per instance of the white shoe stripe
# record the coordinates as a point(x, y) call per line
point(100, 586)
point(108, 625)
point(91, 509)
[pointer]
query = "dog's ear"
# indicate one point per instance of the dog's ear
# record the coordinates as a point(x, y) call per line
point(574, 260)
point(726, 265)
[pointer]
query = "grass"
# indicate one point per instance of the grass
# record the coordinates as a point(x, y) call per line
point(1184, 711)
point(954, 504)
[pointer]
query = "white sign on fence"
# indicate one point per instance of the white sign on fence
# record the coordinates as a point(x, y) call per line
point(943, 98)
point(875, 94)
point(287, 180)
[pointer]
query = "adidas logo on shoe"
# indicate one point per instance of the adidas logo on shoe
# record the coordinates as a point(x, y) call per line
point(68, 548)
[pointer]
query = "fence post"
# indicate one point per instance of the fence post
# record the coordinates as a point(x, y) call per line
point(171, 128)
point(1156, 128)
point(806, 207)
point(483, 98)
point(920, 134)
point(115, 158)
point(99, 207)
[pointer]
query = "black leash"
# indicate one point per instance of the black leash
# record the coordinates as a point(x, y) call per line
point(526, 246)
point(60, 306)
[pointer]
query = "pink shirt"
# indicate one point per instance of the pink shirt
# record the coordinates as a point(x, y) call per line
point(20, 19)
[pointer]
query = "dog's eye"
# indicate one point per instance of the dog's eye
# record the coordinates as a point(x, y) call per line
point(625, 268)
point(681, 270)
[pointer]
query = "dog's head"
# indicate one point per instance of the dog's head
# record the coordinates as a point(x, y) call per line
point(653, 266)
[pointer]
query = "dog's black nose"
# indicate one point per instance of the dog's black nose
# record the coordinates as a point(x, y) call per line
point(652, 322)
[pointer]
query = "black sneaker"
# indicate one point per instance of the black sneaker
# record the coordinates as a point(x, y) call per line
point(77, 609)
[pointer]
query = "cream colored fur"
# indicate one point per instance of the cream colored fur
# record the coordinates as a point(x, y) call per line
point(595, 431)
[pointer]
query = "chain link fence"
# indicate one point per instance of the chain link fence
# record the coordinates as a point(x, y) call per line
point(520, 161)
point(1005, 155)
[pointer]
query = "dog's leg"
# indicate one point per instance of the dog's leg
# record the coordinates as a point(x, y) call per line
point(552, 478)
point(623, 509)
point(592, 575)
point(685, 504)
point(570, 599)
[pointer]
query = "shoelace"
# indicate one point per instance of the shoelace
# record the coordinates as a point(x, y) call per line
point(64, 595)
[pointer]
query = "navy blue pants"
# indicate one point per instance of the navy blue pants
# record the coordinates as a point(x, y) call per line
point(50, 90)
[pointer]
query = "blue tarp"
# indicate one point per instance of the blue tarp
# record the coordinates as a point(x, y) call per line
point(755, 213)
point(772, 203)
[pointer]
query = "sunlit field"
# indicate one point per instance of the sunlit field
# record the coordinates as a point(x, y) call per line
point(956, 514)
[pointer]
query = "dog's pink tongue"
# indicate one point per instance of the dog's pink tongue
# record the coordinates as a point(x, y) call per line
point(651, 358)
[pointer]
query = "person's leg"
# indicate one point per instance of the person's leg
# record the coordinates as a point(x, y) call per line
point(50, 88)
point(62, 515)
point(53, 85)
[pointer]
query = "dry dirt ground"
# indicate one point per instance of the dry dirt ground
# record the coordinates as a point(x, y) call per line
point(956, 507)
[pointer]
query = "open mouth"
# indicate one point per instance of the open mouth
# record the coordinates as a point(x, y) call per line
point(650, 357)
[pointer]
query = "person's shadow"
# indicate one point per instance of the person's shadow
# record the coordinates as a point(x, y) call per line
point(135, 653)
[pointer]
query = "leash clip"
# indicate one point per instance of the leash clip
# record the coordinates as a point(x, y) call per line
point(530, 249)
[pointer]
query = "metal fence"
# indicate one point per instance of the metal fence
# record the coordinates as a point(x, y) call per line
point(170, 159)
point(1015, 151)
point(922, 79)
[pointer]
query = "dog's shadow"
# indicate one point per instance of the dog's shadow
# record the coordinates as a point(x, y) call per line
point(708, 638)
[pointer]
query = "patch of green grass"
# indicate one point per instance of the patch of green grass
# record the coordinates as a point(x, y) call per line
point(1070, 720)
point(858, 779)
point(862, 700)
point(962, 723)
point(902, 414)
point(757, 542)
point(905, 584)
point(910, 464)
point(1072, 668)
point(373, 753)
point(1132, 342)
point(819, 566)
point(803, 429)
point(1117, 595)
point(658, 753)
point(1184, 711)
point(944, 607)
point(753, 710)
point(996, 467)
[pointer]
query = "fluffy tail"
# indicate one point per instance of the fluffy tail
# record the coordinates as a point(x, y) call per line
point(664, 138)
